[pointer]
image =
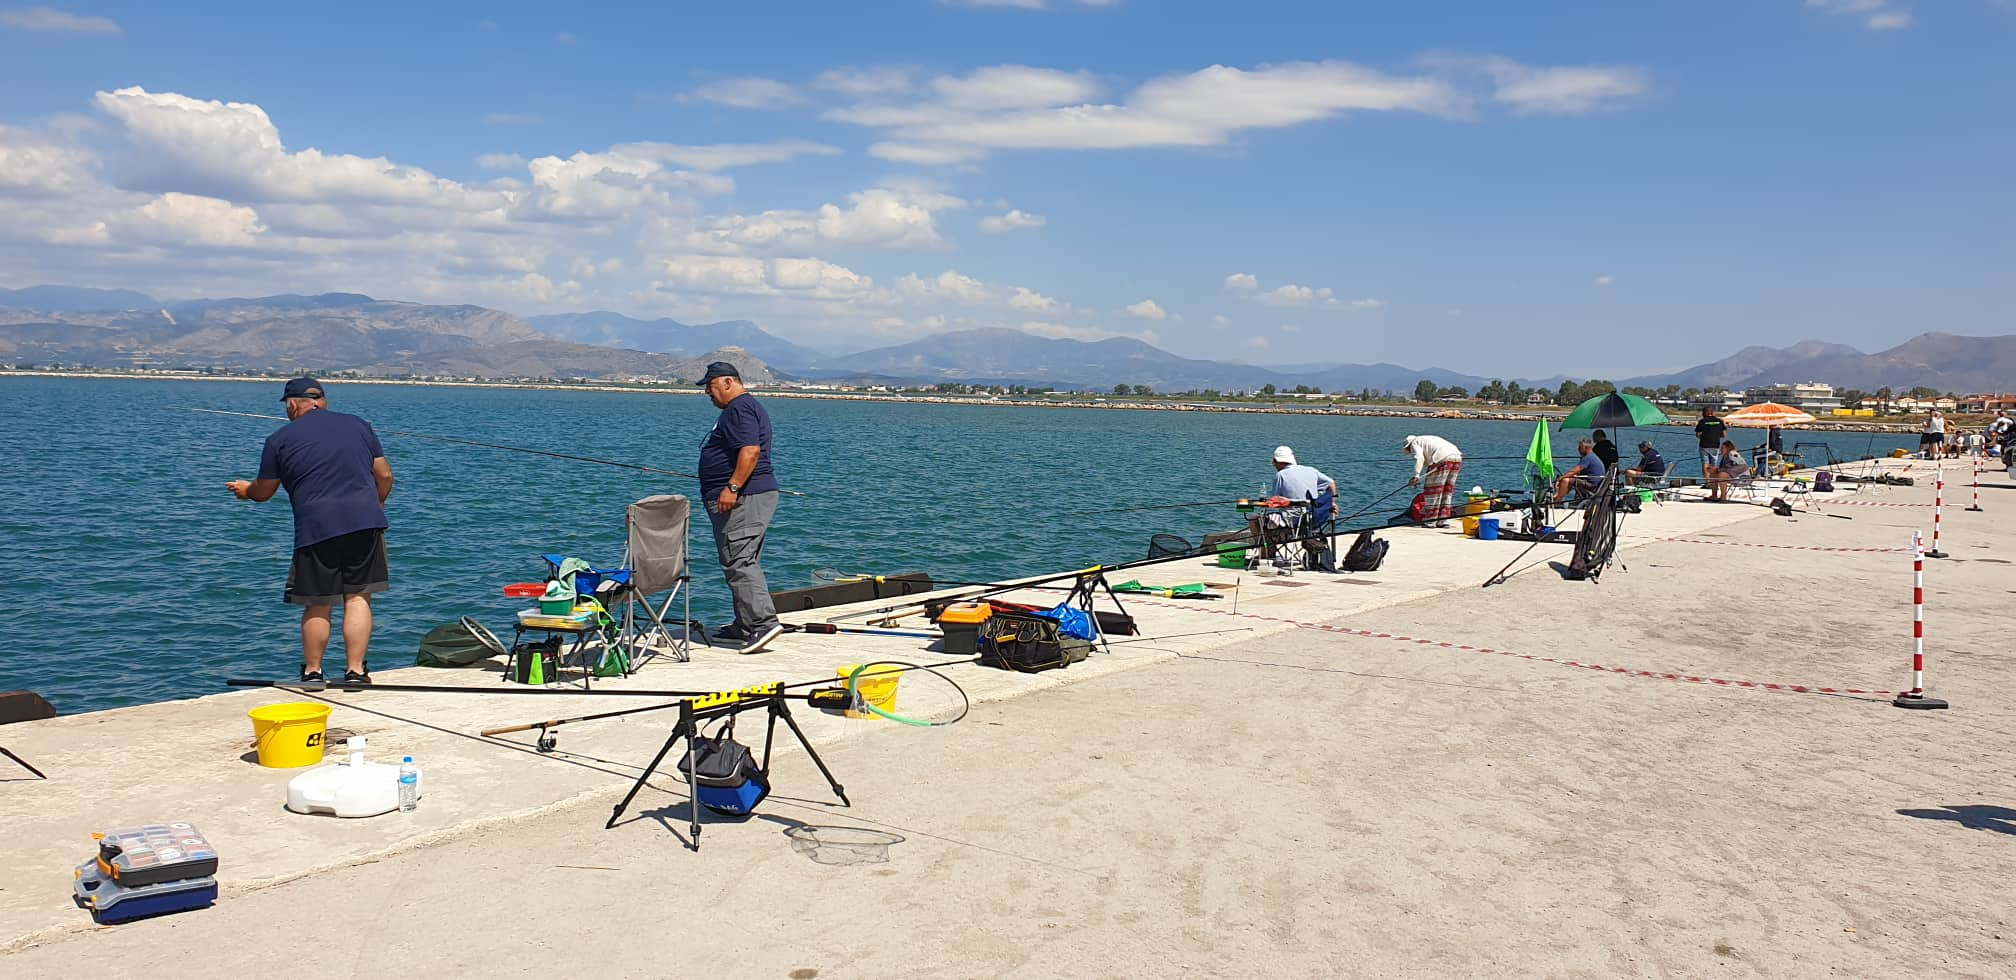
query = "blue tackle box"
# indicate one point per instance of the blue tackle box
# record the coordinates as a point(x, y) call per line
point(110, 901)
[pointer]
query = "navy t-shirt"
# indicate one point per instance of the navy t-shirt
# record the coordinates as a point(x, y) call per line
point(323, 460)
point(742, 423)
point(1592, 467)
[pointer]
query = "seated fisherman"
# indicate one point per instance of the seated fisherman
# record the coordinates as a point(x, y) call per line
point(1651, 466)
point(1587, 474)
point(1296, 482)
point(1729, 468)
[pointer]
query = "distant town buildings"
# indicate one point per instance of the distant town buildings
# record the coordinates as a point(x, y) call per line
point(1985, 403)
point(1813, 397)
point(1721, 401)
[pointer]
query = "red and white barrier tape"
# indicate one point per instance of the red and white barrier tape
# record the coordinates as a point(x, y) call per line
point(1779, 547)
point(1626, 671)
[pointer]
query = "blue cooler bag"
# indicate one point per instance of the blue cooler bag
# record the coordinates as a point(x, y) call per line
point(725, 773)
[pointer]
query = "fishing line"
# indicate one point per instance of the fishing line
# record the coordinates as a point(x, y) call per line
point(492, 445)
point(854, 694)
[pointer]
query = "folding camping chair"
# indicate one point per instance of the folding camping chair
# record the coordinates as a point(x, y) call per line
point(655, 554)
point(1302, 535)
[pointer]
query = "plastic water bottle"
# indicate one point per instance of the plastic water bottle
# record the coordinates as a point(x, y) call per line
point(409, 786)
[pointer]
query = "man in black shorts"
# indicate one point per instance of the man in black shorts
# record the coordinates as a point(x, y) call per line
point(337, 480)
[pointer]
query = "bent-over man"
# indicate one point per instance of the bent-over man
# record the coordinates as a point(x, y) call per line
point(337, 479)
point(1443, 463)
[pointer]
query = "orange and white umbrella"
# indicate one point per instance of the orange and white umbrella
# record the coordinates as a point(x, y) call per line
point(1764, 415)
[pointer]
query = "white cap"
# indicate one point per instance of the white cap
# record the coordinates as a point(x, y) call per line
point(1283, 454)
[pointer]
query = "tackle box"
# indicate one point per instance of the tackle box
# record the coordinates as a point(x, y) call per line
point(961, 623)
point(113, 901)
point(580, 619)
point(157, 852)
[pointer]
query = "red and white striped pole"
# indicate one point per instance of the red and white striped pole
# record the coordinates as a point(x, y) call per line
point(1938, 505)
point(1977, 484)
point(1915, 698)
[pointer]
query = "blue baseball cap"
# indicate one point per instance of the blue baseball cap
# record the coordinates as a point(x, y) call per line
point(720, 369)
point(302, 387)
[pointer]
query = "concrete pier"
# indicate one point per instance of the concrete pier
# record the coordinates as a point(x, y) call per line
point(1688, 766)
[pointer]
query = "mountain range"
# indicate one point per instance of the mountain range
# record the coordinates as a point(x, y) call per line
point(329, 332)
point(353, 332)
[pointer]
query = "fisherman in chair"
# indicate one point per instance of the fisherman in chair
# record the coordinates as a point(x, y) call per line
point(1585, 477)
point(1295, 484)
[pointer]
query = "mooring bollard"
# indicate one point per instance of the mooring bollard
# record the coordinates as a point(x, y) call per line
point(1915, 698)
point(1938, 504)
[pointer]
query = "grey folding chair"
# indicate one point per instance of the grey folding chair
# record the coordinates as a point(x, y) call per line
point(656, 555)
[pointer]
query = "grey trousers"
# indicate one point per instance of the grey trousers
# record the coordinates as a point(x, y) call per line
point(738, 540)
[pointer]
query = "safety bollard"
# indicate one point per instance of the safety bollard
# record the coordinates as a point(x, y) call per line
point(1915, 698)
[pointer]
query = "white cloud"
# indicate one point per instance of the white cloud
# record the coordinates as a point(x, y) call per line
point(607, 185)
point(1031, 302)
point(1014, 220)
point(722, 156)
point(232, 150)
point(1148, 309)
point(750, 276)
point(1291, 328)
point(947, 286)
point(1015, 106)
point(880, 217)
point(32, 165)
point(1258, 342)
point(748, 93)
point(1364, 304)
point(50, 19)
point(1876, 15)
point(189, 219)
point(1605, 280)
point(567, 38)
point(500, 161)
point(1221, 321)
point(866, 82)
point(1242, 282)
point(1292, 295)
point(1557, 91)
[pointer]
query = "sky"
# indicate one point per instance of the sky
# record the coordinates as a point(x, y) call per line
point(1528, 188)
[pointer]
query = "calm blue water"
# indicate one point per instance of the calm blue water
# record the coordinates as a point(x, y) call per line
point(133, 576)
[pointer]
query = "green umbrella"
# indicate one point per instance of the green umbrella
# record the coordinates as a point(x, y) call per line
point(1615, 410)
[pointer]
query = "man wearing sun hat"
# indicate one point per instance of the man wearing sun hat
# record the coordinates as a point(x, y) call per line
point(337, 479)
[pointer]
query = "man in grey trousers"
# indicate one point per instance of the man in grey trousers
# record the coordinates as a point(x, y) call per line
point(740, 493)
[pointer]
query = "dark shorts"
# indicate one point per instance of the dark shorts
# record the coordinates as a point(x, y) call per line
point(1930, 438)
point(346, 565)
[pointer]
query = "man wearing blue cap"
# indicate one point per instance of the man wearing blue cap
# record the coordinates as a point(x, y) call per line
point(740, 493)
point(337, 479)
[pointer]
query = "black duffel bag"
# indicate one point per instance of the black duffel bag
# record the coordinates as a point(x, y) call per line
point(1027, 643)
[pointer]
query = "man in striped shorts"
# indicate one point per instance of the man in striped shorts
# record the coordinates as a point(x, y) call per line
point(1443, 463)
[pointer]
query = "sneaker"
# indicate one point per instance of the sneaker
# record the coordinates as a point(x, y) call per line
point(311, 676)
point(357, 676)
point(762, 638)
point(732, 631)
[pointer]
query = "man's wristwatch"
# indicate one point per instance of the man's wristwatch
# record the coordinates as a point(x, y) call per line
point(735, 489)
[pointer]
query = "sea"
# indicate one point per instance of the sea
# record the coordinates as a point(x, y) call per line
point(131, 575)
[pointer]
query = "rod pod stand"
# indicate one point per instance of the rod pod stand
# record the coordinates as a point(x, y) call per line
point(688, 729)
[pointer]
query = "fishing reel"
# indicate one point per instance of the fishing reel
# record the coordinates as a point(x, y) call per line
point(546, 741)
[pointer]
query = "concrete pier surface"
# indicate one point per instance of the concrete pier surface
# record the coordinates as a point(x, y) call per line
point(1691, 767)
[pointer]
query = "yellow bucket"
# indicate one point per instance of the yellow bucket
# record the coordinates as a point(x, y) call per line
point(1470, 526)
point(877, 686)
point(289, 735)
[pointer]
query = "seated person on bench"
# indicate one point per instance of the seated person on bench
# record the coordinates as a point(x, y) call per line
point(1586, 475)
point(1651, 466)
point(1731, 467)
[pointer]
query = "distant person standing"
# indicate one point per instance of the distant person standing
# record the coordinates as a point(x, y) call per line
point(1443, 463)
point(337, 479)
point(1708, 433)
point(740, 493)
point(1932, 438)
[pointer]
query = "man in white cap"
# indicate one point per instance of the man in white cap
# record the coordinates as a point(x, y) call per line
point(1296, 482)
point(1443, 463)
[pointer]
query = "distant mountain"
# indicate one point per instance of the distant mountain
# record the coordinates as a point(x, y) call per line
point(667, 336)
point(74, 299)
point(1011, 356)
point(1937, 360)
point(1382, 377)
point(331, 332)
point(1735, 370)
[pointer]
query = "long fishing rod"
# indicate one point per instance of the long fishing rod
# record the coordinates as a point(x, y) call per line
point(492, 445)
point(313, 688)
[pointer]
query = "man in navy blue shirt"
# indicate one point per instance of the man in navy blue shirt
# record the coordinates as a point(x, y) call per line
point(337, 479)
point(740, 493)
point(1587, 474)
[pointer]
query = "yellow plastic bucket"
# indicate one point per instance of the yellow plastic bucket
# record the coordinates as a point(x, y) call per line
point(877, 686)
point(289, 735)
point(1470, 526)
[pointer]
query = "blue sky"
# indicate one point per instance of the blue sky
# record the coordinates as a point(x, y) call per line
point(1503, 188)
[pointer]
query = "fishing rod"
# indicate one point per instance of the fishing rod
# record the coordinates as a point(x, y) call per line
point(492, 445)
point(314, 687)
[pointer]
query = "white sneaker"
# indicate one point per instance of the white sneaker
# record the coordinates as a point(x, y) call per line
point(762, 638)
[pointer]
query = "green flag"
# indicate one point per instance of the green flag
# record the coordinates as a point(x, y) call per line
point(1540, 455)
